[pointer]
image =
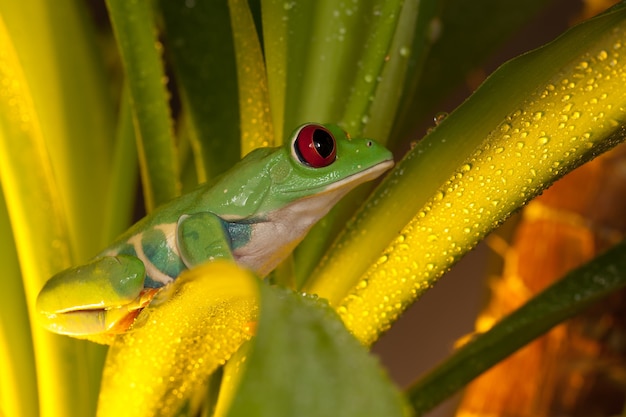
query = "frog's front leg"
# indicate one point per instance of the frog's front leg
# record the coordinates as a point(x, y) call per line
point(202, 237)
point(103, 296)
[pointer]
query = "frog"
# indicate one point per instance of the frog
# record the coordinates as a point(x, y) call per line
point(255, 214)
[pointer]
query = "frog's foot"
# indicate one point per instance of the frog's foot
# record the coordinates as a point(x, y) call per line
point(103, 296)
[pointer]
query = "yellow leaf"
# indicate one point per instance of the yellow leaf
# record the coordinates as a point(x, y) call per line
point(192, 328)
point(256, 123)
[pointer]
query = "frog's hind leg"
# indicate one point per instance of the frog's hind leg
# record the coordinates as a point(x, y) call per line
point(94, 298)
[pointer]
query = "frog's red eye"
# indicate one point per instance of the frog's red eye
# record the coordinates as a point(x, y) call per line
point(315, 146)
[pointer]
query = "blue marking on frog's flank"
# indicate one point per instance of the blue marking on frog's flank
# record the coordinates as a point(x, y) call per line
point(151, 283)
point(164, 257)
point(240, 234)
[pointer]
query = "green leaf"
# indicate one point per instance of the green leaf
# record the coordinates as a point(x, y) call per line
point(459, 38)
point(324, 59)
point(124, 173)
point(199, 38)
point(135, 31)
point(564, 299)
point(403, 63)
point(304, 363)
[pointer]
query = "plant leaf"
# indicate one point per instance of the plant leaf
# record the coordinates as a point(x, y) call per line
point(303, 362)
point(123, 185)
point(61, 64)
point(254, 106)
point(133, 25)
point(41, 237)
point(459, 38)
point(178, 341)
point(200, 42)
point(556, 108)
point(18, 381)
point(324, 58)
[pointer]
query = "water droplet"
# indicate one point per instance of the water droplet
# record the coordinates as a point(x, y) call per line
point(520, 145)
point(602, 55)
point(543, 140)
point(369, 78)
point(439, 117)
point(405, 51)
point(538, 115)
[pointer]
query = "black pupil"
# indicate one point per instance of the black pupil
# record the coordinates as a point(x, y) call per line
point(324, 143)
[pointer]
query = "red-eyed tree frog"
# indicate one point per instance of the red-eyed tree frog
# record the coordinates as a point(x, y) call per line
point(255, 214)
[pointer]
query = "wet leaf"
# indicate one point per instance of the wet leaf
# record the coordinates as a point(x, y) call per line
point(177, 342)
point(557, 107)
point(303, 362)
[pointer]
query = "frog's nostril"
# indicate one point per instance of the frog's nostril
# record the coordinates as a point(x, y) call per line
point(369, 143)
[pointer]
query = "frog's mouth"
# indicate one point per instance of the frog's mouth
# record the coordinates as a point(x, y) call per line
point(360, 177)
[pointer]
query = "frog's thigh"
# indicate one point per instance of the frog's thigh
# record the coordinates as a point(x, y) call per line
point(105, 282)
point(201, 237)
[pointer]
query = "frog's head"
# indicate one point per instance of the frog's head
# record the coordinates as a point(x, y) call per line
point(317, 166)
point(282, 192)
point(321, 162)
